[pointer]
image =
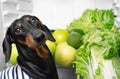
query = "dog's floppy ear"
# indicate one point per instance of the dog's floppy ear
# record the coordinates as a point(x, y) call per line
point(7, 45)
point(47, 31)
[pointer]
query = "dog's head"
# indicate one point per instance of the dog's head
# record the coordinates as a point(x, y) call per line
point(27, 30)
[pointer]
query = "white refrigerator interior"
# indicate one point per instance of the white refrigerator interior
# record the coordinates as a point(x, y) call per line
point(59, 13)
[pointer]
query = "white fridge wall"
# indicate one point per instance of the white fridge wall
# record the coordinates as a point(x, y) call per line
point(59, 13)
point(2, 59)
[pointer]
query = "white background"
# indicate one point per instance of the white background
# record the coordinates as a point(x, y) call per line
point(59, 13)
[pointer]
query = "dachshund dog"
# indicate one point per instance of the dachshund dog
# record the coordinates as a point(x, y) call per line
point(34, 57)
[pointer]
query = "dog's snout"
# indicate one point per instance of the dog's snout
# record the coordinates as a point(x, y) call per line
point(37, 35)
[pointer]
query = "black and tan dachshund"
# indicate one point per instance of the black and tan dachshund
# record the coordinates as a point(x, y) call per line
point(35, 59)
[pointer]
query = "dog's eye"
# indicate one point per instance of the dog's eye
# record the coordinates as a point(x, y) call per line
point(18, 30)
point(33, 20)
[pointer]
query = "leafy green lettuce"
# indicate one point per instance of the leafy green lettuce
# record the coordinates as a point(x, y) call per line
point(82, 63)
point(98, 57)
point(93, 18)
point(103, 45)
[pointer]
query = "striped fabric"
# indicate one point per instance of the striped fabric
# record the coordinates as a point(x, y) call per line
point(14, 72)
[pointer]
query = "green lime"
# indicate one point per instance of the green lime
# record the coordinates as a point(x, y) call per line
point(77, 30)
point(74, 39)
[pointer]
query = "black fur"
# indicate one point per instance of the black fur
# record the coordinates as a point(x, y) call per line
point(29, 35)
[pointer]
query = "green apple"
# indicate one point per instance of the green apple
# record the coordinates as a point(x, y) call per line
point(60, 35)
point(65, 54)
point(52, 46)
point(14, 54)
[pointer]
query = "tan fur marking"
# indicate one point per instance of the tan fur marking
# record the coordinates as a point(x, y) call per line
point(42, 52)
point(28, 41)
